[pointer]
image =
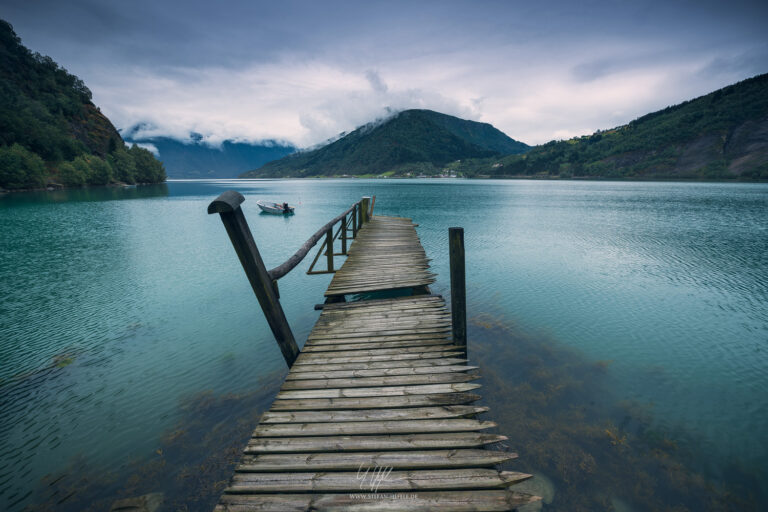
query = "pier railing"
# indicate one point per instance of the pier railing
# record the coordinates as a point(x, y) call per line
point(263, 281)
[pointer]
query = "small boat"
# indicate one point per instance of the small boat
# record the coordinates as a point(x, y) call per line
point(276, 208)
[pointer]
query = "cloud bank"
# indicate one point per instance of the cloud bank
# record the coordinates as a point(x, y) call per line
point(302, 72)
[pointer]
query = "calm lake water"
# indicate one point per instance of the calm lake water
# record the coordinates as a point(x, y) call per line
point(621, 330)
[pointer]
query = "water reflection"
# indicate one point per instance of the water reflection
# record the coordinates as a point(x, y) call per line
point(87, 194)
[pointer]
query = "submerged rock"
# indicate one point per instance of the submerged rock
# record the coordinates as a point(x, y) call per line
point(146, 503)
point(539, 485)
point(620, 505)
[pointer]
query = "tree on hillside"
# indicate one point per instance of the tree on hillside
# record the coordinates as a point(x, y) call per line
point(20, 168)
point(148, 168)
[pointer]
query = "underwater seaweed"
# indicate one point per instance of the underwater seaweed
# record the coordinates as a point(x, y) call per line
point(600, 452)
point(191, 465)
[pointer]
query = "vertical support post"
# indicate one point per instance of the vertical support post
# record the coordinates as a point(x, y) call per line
point(329, 248)
point(364, 210)
point(458, 287)
point(344, 235)
point(227, 205)
point(354, 221)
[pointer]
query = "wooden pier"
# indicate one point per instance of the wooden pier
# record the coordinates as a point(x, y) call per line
point(377, 410)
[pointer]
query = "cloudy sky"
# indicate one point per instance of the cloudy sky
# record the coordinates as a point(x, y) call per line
point(304, 71)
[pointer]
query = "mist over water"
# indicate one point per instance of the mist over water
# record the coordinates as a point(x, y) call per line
point(606, 309)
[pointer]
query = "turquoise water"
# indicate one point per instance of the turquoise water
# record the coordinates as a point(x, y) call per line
point(124, 314)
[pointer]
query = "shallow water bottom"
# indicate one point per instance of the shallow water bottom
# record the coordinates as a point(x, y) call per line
point(589, 448)
point(190, 467)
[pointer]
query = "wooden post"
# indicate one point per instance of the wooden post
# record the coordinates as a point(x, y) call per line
point(354, 221)
point(458, 287)
point(359, 215)
point(329, 248)
point(373, 203)
point(227, 205)
point(364, 205)
point(344, 235)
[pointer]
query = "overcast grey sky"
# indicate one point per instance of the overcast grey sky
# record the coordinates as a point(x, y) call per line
point(304, 71)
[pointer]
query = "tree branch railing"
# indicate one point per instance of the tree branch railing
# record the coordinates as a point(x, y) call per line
point(263, 282)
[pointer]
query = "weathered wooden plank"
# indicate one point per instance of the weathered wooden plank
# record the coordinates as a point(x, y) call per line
point(430, 359)
point(405, 319)
point(380, 350)
point(372, 270)
point(353, 461)
point(398, 301)
point(431, 362)
point(414, 310)
point(368, 324)
point(423, 480)
point(379, 337)
point(431, 303)
point(394, 380)
point(410, 413)
point(374, 287)
point(352, 344)
point(368, 321)
point(319, 404)
point(404, 304)
point(372, 345)
point(421, 313)
point(383, 329)
point(501, 500)
point(371, 443)
point(383, 372)
point(370, 427)
point(426, 389)
point(315, 359)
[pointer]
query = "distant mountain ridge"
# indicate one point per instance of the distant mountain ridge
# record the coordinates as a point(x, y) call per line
point(196, 159)
point(410, 142)
point(721, 135)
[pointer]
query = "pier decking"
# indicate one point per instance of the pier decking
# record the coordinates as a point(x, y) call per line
point(377, 410)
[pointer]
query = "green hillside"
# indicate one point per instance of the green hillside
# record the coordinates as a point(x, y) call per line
point(52, 133)
point(413, 141)
point(723, 135)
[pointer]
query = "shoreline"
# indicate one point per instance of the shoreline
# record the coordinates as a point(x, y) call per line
point(58, 187)
point(510, 178)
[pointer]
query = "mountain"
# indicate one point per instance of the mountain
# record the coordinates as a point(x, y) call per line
point(412, 141)
point(195, 159)
point(52, 133)
point(722, 135)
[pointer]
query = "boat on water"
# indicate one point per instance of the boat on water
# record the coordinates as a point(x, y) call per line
point(276, 208)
